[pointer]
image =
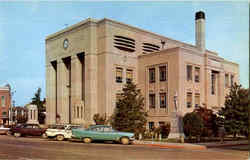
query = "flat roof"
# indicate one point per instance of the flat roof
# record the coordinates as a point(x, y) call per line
point(88, 20)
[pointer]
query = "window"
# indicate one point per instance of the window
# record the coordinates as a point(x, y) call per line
point(189, 100)
point(189, 73)
point(163, 73)
point(213, 80)
point(78, 112)
point(3, 101)
point(129, 75)
point(4, 113)
point(232, 80)
point(152, 101)
point(119, 75)
point(151, 75)
point(226, 80)
point(197, 74)
point(163, 100)
point(151, 125)
point(197, 100)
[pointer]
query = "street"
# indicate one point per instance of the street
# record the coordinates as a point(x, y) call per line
point(26, 148)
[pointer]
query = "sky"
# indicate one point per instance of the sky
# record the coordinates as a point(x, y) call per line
point(24, 26)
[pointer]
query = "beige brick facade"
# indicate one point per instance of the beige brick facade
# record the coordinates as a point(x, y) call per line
point(85, 74)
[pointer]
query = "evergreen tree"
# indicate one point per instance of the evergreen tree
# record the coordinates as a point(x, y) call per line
point(37, 101)
point(235, 112)
point(129, 114)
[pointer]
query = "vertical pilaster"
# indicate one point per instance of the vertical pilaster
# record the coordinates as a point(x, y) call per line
point(62, 91)
point(51, 94)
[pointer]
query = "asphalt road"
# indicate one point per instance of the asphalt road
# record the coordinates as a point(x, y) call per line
point(30, 148)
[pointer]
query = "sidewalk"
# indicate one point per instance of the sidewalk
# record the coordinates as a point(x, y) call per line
point(197, 146)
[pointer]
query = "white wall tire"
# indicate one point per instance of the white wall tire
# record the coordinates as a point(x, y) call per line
point(87, 140)
point(17, 134)
point(60, 137)
point(124, 140)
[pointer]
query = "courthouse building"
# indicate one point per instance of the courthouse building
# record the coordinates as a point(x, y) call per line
point(88, 64)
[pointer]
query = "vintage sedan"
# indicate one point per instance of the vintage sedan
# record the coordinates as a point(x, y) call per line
point(60, 132)
point(27, 130)
point(103, 133)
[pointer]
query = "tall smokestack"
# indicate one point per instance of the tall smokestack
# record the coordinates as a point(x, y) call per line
point(200, 31)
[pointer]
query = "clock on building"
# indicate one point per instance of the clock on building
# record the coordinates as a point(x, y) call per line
point(65, 43)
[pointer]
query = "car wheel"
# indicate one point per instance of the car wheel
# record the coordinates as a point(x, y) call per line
point(60, 137)
point(124, 140)
point(87, 140)
point(44, 136)
point(17, 134)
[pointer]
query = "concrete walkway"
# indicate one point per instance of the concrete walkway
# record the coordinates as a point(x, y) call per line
point(197, 146)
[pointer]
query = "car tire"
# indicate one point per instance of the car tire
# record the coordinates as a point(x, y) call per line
point(17, 134)
point(87, 140)
point(44, 136)
point(124, 140)
point(60, 137)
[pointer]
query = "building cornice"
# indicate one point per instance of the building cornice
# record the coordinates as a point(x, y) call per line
point(105, 20)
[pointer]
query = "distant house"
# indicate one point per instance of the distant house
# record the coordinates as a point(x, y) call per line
point(20, 114)
point(5, 103)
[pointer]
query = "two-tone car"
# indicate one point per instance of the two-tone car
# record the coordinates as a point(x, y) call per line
point(60, 132)
point(102, 133)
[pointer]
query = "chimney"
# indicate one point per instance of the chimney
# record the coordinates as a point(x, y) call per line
point(200, 31)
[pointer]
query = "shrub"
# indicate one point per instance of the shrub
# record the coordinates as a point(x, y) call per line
point(99, 119)
point(193, 125)
point(209, 121)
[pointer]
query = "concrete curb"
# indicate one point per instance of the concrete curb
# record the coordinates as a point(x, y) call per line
point(172, 145)
point(225, 145)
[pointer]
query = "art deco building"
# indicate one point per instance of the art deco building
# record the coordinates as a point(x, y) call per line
point(88, 64)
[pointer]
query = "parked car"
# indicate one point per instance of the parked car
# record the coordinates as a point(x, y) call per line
point(4, 130)
point(103, 133)
point(27, 130)
point(60, 132)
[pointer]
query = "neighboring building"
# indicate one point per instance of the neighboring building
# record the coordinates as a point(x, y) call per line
point(5, 104)
point(20, 114)
point(88, 64)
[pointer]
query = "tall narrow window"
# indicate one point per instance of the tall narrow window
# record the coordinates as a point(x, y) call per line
point(213, 80)
point(152, 101)
point(78, 116)
point(189, 100)
point(163, 100)
point(119, 75)
point(197, 100)
point(129, 75)
point(163, 73)
point(226, 80)
point(197, 74)
point(3, 101)
point(151, 75)
point(189, 73)
point(232, 80)
point(151, 125)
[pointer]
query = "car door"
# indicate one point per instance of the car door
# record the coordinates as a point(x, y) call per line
point(26, 130)
point(36, 130)
point(97, 133)
point(108, 133)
